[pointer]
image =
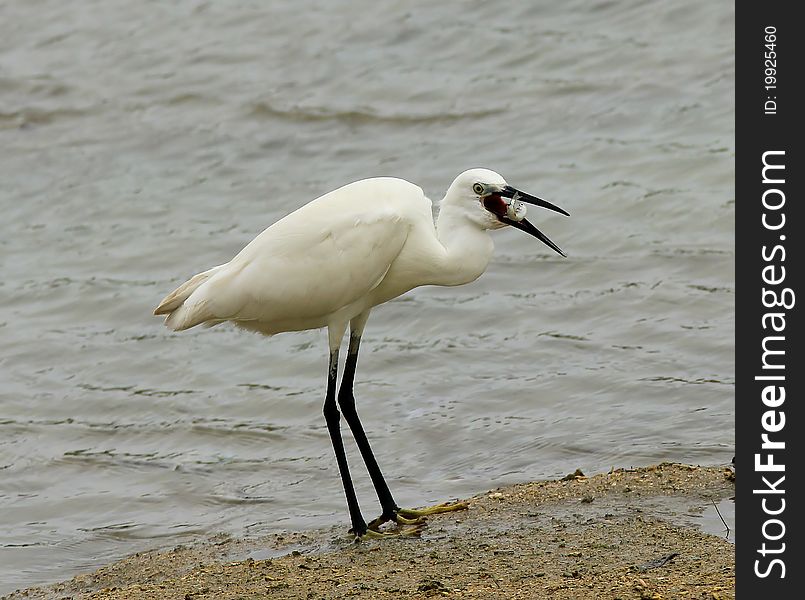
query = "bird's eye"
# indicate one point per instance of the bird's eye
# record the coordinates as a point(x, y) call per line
point(478, 189)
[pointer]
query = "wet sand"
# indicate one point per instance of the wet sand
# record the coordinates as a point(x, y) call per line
point(623, 534)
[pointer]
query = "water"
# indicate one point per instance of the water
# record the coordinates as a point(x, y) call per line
point(143, 142)
point(719, 519)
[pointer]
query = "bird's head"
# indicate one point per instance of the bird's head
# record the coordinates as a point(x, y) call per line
point(492, 203)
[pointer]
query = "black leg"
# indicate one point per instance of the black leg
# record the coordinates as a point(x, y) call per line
point(346, 400)
point(332, 417)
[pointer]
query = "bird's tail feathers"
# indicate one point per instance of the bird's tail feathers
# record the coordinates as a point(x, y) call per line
point(180, 314)
point(189, 315)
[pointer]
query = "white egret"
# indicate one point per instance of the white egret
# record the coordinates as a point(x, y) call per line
point(330, 262)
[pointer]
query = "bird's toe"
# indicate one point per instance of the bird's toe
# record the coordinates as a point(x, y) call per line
point(401, 520)
point(397, 517)
point(375, 534)
point(415, 513)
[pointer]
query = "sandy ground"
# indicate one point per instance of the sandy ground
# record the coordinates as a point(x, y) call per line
point(624, 534)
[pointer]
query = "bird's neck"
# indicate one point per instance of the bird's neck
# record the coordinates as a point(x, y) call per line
point(467, 247)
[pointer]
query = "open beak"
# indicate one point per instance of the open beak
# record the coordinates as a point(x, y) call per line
point(510, 192)
point(524, 224)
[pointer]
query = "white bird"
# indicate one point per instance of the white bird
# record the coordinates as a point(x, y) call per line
point(330, 262)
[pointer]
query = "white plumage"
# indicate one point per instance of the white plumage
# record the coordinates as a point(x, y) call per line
point(330, 262)
point(314, 264)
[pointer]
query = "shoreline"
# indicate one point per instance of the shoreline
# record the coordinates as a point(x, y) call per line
point(623, 534)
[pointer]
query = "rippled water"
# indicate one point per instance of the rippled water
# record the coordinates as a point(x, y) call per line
point(141, 142)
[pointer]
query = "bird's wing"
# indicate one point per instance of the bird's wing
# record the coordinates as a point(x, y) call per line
point(293, 275)
point(322, 258)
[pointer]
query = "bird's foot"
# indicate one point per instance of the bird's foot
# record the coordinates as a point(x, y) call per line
point(373, 531)
point(419, 513)
point(395, 517)
point(415, 516)
point(400, 532)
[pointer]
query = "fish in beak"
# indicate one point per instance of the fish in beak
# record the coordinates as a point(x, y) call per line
point(507, 205)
